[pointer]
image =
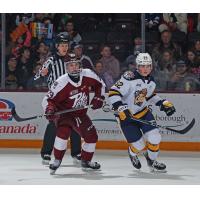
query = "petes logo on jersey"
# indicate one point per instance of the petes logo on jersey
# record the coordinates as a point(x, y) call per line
point(80, 99)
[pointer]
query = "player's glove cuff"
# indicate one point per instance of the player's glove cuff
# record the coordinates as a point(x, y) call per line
point(124, 112)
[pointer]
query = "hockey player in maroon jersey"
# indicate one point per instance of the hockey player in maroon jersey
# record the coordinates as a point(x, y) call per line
point(71, 90)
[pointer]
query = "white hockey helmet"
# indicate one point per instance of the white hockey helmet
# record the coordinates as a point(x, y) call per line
point(143, 59)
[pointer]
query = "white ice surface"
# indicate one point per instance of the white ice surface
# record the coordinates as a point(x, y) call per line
point(23, 167)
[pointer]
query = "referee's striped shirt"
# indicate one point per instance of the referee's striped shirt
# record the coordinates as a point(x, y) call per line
point(56, 68)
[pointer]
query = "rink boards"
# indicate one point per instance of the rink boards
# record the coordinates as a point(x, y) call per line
point(30, 133)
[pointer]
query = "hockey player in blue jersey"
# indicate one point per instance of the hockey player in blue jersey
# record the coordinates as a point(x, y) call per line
point(130, 97)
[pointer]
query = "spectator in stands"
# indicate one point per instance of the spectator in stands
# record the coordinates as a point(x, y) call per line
point(74, 36)
point(40, 83)
point(198, 23)
point(25, 18)
point(105, 76)
point(130, 60)
point(164, 69)
point(197, 48)
point(20, 40)
point(193, 62)
point(11, 74)
point(166, 62)
point(164, 44)
point(38, 17)
point(110, 63)
point(42, 52)
point(98, 68)
point(24, 67)
point(60, 21)
point(152, 21)
point(191, 58)
point(48, 41)
point(85, 60)
point(174, 22)
point(183, 79)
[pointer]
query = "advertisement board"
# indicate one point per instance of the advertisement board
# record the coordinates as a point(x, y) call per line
point(29, 104)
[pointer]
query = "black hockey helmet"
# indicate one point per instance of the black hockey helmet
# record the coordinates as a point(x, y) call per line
point(61, 38)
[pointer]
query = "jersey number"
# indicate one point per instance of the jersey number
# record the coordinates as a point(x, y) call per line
point(118, 84)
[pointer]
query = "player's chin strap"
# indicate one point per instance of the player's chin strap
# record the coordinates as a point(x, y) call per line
point(106, 108)
point(20, 119)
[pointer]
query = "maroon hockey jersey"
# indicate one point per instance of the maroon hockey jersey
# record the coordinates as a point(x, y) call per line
point(66, 94)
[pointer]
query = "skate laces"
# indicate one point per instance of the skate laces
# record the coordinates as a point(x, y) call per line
point(92, 164)
point(156, 163)
point(135, 159)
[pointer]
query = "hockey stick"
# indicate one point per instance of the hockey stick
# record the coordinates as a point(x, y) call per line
point(20, 119)
point(182, 131)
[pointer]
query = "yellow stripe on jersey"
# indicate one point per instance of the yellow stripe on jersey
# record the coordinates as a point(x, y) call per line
point(141, 113)
point(114, 92)
point(133, 149)
point(153, 147)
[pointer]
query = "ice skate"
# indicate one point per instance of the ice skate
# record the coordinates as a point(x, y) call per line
point(88, 165)
point(154, 165)
point(54, 166)
point(134, 160)
point(46, 158)
point(77, 160)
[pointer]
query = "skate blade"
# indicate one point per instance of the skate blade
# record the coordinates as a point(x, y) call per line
point(137, 170)
point(44, 162)
point(155, 171)
point(90, 169)
point(77, 163)
point(52, 172)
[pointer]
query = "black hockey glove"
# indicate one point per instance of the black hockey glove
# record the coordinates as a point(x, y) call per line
point(167, 107)
point(124, 113)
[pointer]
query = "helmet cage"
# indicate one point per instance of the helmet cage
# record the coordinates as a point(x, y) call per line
point(75, 73)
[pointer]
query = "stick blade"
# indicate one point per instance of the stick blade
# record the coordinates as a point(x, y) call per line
point(185, 130)
point(18, 118)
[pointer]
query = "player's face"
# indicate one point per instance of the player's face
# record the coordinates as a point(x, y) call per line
point(62, 49)
point(73, 68)
point(144, 70)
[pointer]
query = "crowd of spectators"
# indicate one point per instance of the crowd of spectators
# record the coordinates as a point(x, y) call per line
point(107, 44)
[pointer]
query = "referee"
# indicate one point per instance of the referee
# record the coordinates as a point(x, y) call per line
point(53, 68)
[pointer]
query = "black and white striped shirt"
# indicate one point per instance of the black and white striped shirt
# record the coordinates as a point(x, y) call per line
point(56, 68)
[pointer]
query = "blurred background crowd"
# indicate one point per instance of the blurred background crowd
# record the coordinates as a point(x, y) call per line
point(106, 43)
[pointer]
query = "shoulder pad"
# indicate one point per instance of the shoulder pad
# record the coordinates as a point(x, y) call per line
point(129, 75)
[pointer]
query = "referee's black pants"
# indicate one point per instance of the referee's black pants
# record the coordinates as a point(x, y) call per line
point(49, 138)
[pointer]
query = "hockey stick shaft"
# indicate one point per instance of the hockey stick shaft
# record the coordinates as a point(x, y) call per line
point(182, 131)
point(20, 119)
